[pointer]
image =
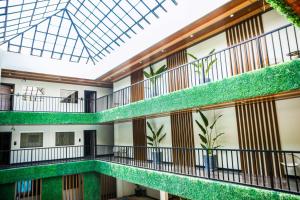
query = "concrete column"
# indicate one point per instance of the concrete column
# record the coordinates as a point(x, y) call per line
point(163, 195)
point(52, 188)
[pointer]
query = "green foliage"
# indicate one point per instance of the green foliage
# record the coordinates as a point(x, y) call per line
point(208, 61)
point(156, 137)
point(283, 8)
point(208, 134)
point(152, 74)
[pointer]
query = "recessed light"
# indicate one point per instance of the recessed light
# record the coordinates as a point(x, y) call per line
point(191, 35)
point(162, 50)
point(141, 62)
point(232, 15)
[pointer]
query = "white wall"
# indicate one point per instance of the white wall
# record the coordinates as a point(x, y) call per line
point(104, 136)
point(125, 188)
point(288, 113)
point(52, 90)
point(123, 133)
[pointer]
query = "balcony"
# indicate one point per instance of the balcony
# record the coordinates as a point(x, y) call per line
point(271, 48)
point(268, 169)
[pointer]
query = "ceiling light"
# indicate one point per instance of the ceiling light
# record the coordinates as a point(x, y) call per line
point(232, 15)
point(191, 35)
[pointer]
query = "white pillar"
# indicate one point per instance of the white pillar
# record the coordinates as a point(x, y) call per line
point(163, 195)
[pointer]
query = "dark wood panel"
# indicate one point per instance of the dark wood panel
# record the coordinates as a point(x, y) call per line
point(139, 138)
point(183, 139)
point(108, 187)
point(178, 78)
point(72, 187)
point(258, 129)
point(137, 90)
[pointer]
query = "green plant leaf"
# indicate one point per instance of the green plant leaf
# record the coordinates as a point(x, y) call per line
point(217, 136)
point(204, 140)
point(159, 130)
point(209, 66)
point(215, 121)
point(151, 71)
point(204, 119)
point(161, 138)
point(192, 56)
point(150, 143)
point(201, 127)
point(146, 74)
point(211, 52)
point(203, 146)
point(150, 127)
point(149, 138)
point(161, 70)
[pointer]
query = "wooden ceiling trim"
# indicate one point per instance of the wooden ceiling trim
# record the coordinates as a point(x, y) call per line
point(150, 55)
point(52, 78)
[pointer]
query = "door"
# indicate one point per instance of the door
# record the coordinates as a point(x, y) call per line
point(89, 142)
point(5, 141)
point(6, 99)
point(90, 101)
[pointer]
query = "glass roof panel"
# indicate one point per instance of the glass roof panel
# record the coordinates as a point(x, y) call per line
point(79, 30)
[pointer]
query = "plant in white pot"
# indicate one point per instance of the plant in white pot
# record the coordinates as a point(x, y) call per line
point(203, 64)
point(154, 140)
point(209, 140)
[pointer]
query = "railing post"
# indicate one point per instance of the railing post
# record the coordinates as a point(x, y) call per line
point(207, 163)
point(270, 161)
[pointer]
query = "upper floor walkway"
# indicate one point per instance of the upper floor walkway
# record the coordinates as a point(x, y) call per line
point(277, 46)
point(268, 169)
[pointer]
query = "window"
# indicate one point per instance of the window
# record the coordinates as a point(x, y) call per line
point(69, 96)
point(31, 93)
point(28, 188)
point(29, 140)
point(64, 138)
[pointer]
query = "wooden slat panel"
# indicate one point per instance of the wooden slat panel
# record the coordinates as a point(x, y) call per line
point(183, 138)
point(108, 187)
point(72, 187)
point(137, 91)
point(178, 78)
point(139, 138)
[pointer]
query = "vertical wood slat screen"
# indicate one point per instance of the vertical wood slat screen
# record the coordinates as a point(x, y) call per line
point(72, 187)
point(137, 91)
point(258, 129)
point(139, 138)
point(29, 189)
point(183, 139)
point(257, 121)
point(108, 187)
point(249, 56)
point(178, 78)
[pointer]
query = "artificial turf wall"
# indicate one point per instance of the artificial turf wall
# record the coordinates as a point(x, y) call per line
point(184, 186)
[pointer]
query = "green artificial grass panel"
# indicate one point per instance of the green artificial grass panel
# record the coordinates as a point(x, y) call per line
point(184, 186)
point(267, 81)
point(8, 118)
point(284, 9)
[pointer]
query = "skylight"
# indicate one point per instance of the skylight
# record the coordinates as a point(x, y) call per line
point(82, 31)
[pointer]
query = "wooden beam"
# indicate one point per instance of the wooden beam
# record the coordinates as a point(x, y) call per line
point(52, 78)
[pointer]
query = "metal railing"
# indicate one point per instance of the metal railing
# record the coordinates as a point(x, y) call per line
point(270, 169)
point(32, 103)
point(274, 47)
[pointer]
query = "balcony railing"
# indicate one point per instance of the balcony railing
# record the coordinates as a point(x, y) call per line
point(33, 103)
point(274, 47)
point(269, 169)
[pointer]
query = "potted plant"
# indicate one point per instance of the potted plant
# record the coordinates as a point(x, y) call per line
point(209, 140)
point(152, 75)
point(154, 141)
point(199, 66)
